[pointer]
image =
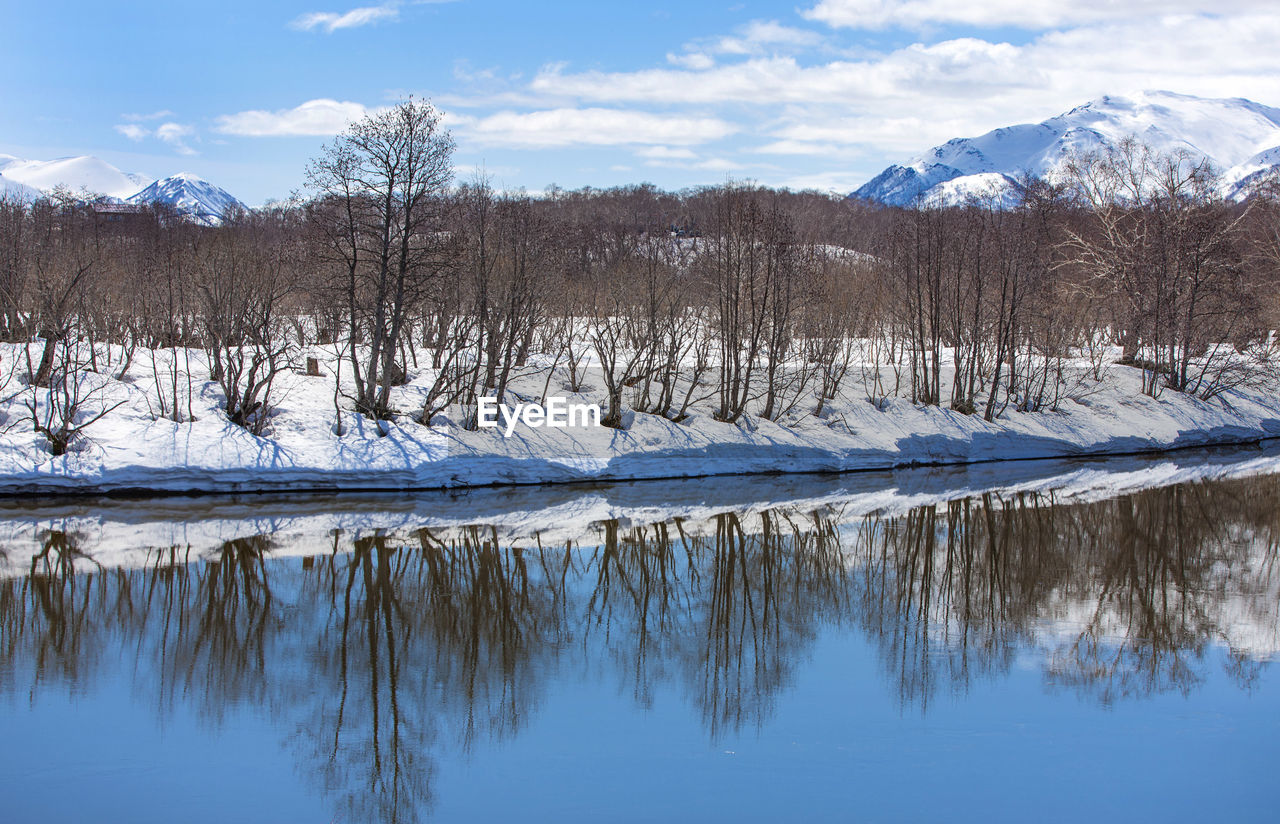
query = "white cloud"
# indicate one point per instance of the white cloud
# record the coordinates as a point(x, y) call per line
point(718, 164)
point(132, 131)
point(697, 61)
point(760, 36)
point(1032, 14)
point(840, 182)
point(330, 21)
point(969, 64)
point(174, 134)
point(170, 132)
point(894, 132)
point(665, 153)
point(320, 118)
point(802, 147)
point(665, 158)
point(139, 118)
point(590, 126)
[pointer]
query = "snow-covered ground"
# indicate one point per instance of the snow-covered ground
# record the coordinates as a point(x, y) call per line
point(135, 448)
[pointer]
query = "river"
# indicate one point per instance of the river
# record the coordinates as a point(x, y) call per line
point(1049, 641)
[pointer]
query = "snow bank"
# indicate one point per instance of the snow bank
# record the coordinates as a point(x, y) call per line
point(128, 532)
point(133, 449)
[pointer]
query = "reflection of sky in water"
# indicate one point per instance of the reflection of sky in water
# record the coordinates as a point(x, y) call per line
point(836, 747)
point(976, 660)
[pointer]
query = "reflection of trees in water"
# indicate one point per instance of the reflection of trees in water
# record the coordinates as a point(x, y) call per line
point(47, 614)
point(415, 646)
point(374, 654)
point(215, 622)
point(379, 652)
point(361, 724)
point(1120, 597)
point(731, 608)
point(944, 591)
point(766, 594)
point(1173, 566)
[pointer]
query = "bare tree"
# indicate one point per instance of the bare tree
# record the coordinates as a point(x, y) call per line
point(1162, 243)
point(64, 258)
point(72, 399)
point(618, 335)
point(15, 230)
point(749, 265)
point(244, 274)
point(379, 207)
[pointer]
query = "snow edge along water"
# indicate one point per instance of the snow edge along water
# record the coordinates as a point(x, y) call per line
point(891, 435)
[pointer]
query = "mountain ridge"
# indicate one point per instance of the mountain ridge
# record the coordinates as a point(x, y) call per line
point(1239, 136)
point(91, 176)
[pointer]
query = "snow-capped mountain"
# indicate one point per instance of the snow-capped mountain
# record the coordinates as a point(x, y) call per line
point(1241, 138)
point(79, 174)
point(12, 188)
point(191, 195)
point(91, 176)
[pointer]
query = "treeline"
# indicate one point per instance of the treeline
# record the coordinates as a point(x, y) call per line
point(735, 298)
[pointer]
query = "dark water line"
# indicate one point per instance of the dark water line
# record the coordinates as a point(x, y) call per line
point(266, 488)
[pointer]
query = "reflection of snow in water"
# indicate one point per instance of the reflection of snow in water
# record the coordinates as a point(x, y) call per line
point(1234, 604)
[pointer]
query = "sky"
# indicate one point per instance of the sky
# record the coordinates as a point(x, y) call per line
point(816, 94)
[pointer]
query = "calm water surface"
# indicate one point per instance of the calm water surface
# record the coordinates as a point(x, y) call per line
point(1013, 655)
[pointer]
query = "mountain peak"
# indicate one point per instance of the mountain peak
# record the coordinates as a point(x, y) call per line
point(1236, 135)
point(191, 195)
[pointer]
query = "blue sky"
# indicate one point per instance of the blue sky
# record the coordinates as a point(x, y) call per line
point(823, 93)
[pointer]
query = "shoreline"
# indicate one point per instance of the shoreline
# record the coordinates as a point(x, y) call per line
point(128, 531)
point(132, 451)
point(195, 482)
